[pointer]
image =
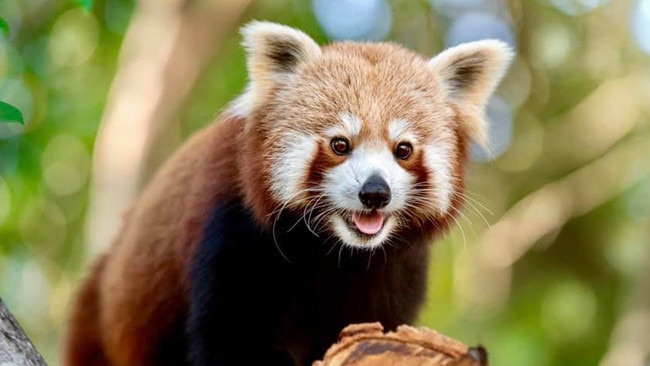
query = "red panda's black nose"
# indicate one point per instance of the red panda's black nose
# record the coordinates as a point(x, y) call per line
point(375, 192)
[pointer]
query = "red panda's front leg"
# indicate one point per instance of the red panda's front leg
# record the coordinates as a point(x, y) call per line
point(237, 295)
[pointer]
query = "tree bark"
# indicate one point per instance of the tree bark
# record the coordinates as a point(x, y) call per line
point(367, 345)
point(15, 347)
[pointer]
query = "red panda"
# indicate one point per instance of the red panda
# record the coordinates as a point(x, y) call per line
point(310, 204)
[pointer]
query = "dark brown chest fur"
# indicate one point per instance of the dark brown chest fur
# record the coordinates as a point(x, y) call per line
point(288, 294)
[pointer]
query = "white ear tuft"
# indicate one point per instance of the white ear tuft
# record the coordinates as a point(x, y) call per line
point(274, 50)
point(469, 73)
point(472, 70)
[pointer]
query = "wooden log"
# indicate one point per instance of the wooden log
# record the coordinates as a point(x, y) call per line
point(367, 345)
point(15, 347)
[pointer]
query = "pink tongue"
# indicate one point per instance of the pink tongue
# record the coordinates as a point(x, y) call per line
point(369, 223)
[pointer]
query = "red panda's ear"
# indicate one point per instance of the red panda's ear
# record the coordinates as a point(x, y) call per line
point(469, 73)
point(273, 51)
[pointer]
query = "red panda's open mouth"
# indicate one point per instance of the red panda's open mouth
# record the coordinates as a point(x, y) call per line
point(363, 229)
point(369, 223)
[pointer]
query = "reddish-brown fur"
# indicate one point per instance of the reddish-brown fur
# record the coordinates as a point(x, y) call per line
point(146, 271)
point(84, 333)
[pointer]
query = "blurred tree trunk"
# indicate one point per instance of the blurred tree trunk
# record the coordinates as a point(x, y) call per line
point(166, 48)
point(15, 347)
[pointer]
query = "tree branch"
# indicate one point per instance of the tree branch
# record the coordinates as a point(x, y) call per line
point(15, 347)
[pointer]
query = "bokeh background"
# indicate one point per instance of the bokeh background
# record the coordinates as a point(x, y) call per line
point(550, 263)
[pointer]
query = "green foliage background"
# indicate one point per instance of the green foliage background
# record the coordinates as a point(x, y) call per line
point(564, 301)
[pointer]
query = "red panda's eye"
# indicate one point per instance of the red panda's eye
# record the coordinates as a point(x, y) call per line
point(403, 150)
point(340, 146)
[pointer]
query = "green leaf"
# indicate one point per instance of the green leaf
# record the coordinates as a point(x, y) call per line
point(86, 4)
point(4, 28)
point(9, 113)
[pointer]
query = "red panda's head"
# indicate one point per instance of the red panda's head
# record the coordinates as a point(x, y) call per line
point(364, 141)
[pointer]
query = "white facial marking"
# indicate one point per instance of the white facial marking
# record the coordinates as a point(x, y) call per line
point(352, 123)
point(291, 166)
point(399, 130)
point(350, 126)
point(437, 158)
point(344, 182)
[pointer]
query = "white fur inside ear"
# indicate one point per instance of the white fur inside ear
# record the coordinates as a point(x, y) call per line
point(274, 51)
point(469, 73)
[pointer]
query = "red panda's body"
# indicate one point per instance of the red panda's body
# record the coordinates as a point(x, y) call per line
point(308, 205)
